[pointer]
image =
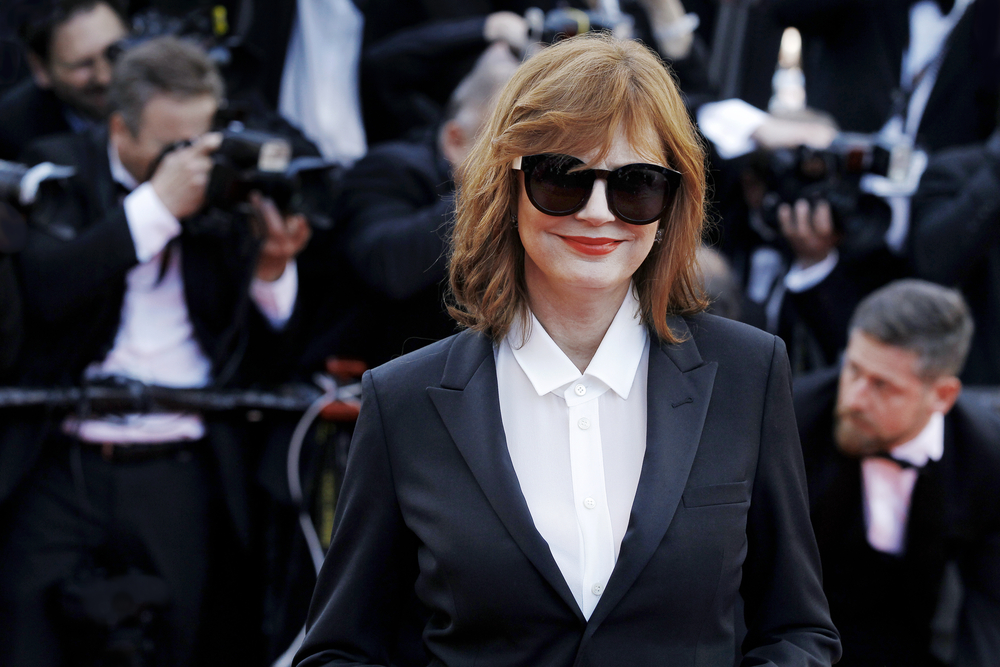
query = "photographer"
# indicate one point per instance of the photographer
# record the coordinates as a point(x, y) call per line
point(116, 284)
point(935, 87)
point(66, 43)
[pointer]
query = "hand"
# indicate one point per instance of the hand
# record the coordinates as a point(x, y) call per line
point(507, 27)
point(809, 231)
point(286, 237)
point(182, 177)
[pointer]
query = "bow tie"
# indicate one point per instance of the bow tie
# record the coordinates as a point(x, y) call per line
point(902, 464)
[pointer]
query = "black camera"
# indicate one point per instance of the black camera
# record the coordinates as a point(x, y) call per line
point(20, 186)
point(252, 160)
point(561, 23)
point(832, 174)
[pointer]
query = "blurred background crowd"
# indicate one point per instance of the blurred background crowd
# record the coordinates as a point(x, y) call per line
point(172, 303)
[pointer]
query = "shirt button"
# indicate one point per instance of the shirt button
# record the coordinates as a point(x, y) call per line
point(584, 423)
point(580, 390)
point(589, 503)
point(597, 589)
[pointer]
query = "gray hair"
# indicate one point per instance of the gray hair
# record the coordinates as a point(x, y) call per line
point(474, 96)
point(161, 66)
point(916, 315)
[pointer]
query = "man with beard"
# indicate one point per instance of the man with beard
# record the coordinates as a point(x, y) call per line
point(904, 485)
point(66, 43)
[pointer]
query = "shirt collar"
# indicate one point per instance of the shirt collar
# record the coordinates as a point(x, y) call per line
point(927, 446)
point(615, 363)
point(118, 170)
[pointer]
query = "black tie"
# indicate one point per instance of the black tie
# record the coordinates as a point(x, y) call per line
point(902, 464)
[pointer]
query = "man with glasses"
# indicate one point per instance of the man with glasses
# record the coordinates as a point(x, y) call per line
point(66, 43)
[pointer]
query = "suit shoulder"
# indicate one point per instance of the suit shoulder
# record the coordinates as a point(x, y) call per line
point(721, 337)
point(979, 429)
point(427, 362)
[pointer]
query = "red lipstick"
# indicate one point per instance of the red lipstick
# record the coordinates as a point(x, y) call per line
point(589, 245)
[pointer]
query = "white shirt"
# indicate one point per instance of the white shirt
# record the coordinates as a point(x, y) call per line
point(888, 488)
point(577, 442)
point(319, 85)
point(155, 342)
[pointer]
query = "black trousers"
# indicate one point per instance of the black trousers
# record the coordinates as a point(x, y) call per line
point(78, 511)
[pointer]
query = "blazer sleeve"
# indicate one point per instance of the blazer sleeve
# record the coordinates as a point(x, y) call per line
point(365, 588)
point(786, 611)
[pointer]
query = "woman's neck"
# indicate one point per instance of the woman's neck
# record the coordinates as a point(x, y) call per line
point(577, 323)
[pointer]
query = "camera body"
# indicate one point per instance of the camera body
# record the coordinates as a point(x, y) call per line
point(832, 174)
point(253, 160)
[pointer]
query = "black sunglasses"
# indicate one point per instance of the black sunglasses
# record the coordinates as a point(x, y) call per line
point(637, 193)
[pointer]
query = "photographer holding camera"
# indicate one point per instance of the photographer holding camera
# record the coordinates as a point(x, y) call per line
point(117, 284)
point(921, 75)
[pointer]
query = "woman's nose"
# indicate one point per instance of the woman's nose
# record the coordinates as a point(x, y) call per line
point(596, 210)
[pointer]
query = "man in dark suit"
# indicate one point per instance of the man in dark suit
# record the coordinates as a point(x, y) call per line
point(903, 480)
point(923, 75)
point(396, 208)
point(955, 241)
point(116, 285)
point(66, 43)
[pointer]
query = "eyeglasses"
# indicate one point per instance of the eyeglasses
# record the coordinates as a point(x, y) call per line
point(637, 193)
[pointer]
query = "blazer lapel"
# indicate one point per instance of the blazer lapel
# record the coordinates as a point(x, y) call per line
point(679, 388)
point(469, 404)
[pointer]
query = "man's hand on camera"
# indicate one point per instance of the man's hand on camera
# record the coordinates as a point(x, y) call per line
point(287, 235)
point(809, 230)
point(182, 177)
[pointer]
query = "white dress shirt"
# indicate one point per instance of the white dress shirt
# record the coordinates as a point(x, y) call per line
point(155, 342)
point(577, 442)
point(888, 488)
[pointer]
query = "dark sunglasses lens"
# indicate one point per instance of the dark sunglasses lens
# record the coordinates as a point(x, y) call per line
point(555, 188)
point(639, 193)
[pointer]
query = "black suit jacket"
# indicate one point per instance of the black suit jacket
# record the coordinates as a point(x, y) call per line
point(28, 113)
point(73, 271)
point(431, 507)
point(954, 517)
point(395, 212)
point(955, 241)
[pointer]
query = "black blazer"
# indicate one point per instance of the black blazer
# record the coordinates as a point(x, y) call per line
point(433, 533)
point(884, 605)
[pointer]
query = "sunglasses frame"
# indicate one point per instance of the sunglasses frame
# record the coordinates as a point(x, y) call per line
point(526, 164)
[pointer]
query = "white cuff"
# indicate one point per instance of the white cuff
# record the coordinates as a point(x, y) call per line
point(151, 224)
point(729, 125)
point(276, 300)
point(799, 279)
